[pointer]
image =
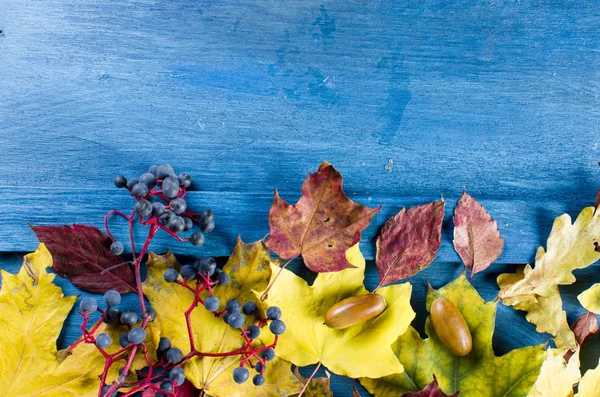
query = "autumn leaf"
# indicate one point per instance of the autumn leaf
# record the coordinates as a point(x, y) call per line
point(318, 387)
point(249, 268)
point(584, 326)
point(476, 237)
point(589, 386)
point(570, 247)
point(408, 241)
point(544, 311)
point(431, 390)
point(82, 254)
point(480, 373)
point(590, 298)
point(355, 392)
point(557, 377)
point(321, 226)
point(187, 389)
point(360, 350)
point(33, 311)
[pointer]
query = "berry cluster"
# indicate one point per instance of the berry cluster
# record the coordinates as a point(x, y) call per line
point(200, 278)
point(160, 205)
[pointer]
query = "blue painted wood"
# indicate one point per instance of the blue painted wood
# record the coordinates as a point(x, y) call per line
point(410, 100)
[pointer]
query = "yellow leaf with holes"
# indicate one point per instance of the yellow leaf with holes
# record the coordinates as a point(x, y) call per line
point(557, 377)
point(360, 350)
point(569, 247)
point(479, 373)
point(590, 298)
point(249, 269)
point(33, 310)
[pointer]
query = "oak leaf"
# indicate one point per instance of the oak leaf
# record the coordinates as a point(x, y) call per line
point(82, 254)
point(321, 226)
point(589, 386)
point(360, 350)
point(476, 237)
point(569, 247)
point(408, 241)
point(249, 268)
point(33, 310)
point(557, 377)
point(431, 390)
point(545, 312)
point(590, 298)
point(480, 373)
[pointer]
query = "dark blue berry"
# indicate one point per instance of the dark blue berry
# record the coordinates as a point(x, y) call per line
point(164, 344)
point(236, 320)
point(148, 179)
point(268, 354)
point(139, 190)
point(258, 380)
point(197, 239)
point(137, 335)
point(277, 327)
point(253, 332)
point(88, 305)
point(120, 181)
point(143, 208)
point(188, 272)
point(112, 297)
point(211, 303)
point(178, 205)
point(174, 354)
point(249, 308)
point(117, 248)
point(234, 306)
point(129, 318)
point(170, 275)
point(240, 375)
point(177, 376)
point(103, 340)
point(170, 187)
point(158, 208)
point(274, 313)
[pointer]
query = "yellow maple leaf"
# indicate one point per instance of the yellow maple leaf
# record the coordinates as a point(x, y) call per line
point(544, 311)
point(33, 311)
point(590, 298)
point(589, 386)
point(249, 268)
point(569, 247)
point(360, 350)
point(557, 377)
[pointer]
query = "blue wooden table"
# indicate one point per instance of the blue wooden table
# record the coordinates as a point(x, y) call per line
point(410, 100)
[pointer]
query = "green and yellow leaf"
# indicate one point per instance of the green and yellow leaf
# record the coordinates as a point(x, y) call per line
point(480, 373)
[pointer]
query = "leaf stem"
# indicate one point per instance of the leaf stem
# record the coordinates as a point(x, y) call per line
point(266, 293)
point(309, 379)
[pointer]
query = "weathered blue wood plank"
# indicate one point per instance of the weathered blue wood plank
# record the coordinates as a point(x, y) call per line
point(523, 224)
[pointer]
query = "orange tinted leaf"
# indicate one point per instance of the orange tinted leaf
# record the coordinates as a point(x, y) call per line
point(476, 237)
point(408, 241)
point(321, 226)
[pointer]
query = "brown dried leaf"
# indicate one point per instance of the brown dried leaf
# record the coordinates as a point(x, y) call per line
point(476, 237)
point(81, 253)
point(355, 392)
point(318, 387)
point(408, 241)
point(321, 226)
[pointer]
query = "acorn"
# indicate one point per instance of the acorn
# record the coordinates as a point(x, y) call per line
point(354, 310)
point(450, 327)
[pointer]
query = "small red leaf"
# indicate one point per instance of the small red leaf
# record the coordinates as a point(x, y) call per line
point(321, 226)
point(80, 253)
point(476, 237)
point(408, 241)
point(431, 390)
point(584, 326)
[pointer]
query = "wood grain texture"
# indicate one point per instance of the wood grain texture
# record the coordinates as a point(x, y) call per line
point(409, 100)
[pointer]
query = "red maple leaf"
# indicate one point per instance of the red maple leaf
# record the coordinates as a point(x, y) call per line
point(408, 241)
point(321, 226)
point(476, 237)
point(82, 253)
